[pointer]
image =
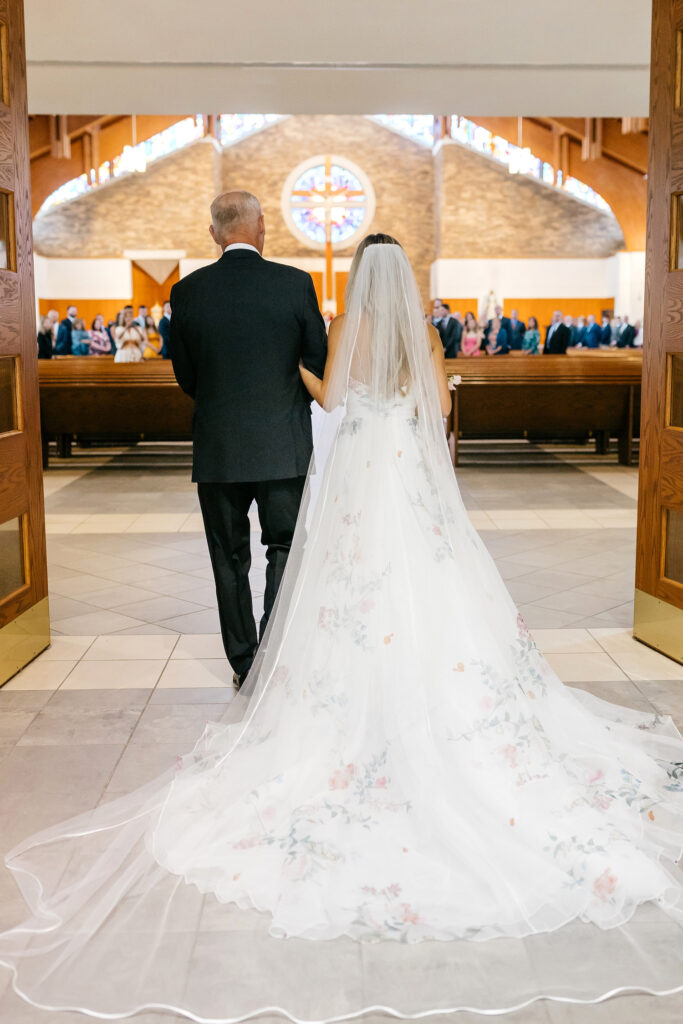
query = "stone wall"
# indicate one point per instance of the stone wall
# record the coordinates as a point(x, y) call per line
point(400, 171)
point(483, 211)
point(456, 204)
point(167, 207)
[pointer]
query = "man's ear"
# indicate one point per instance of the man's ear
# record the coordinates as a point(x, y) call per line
point(213, 234)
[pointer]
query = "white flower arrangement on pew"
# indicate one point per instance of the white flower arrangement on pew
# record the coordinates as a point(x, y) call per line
point(453, 380)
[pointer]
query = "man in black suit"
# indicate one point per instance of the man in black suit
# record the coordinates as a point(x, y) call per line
point(63, 343)
point(238, 358)
point(164, 329)
point(557, 336)
point(450, 329)
point(626, 334)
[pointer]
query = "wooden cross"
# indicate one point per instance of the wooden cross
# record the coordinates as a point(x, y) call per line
point(327, 199)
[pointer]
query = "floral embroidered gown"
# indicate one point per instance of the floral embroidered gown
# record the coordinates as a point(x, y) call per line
point(407, 768)
point(416, 769)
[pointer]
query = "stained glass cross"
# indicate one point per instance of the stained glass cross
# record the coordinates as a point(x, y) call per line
point(336, 203)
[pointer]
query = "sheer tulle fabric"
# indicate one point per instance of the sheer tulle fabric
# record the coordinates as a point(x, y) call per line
point(402, 775)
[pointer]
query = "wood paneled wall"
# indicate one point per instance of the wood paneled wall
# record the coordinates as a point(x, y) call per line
point(87, 308)
point(543, 309)
point(341, 279)
point(460, 305)
point(147, 291)
point(317, 276)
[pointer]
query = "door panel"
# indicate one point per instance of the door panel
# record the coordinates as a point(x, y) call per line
point(658, 619)
point(24, 623)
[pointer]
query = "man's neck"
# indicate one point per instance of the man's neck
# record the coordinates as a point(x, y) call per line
point(242, 242)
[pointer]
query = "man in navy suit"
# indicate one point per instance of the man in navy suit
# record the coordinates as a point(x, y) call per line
point(164, 329)
point(515, 329)
point(605, 331)
point(63, 343)
point(593, 334)
point(450, 329)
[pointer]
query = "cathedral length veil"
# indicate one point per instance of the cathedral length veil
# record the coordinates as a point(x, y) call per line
point(541, 827)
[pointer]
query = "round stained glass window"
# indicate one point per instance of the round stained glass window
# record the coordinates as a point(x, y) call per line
point(328, 199)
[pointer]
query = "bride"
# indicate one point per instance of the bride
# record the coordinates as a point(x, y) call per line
point(401, 775)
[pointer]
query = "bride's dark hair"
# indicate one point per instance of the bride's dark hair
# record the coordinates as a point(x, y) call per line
point(377, 239)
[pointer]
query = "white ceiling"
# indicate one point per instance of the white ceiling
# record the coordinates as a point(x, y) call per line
point(486, 57)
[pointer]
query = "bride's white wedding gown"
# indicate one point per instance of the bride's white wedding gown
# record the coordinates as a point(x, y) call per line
point(403, 766)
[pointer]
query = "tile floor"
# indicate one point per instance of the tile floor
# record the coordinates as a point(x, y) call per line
point(136, 666)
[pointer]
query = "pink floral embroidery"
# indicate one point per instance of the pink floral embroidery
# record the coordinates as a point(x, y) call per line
point(246, 844)
point(522, 628)
point(509, 753)
point(596, 775)
point(409, 916)
point(381, 783)
point(341, 779)
point(326, 618)
point(367, 605)
point(486, 703)
point(604, 885)
point(437, 530)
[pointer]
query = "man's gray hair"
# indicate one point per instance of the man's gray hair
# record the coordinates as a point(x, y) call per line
point(231, 210)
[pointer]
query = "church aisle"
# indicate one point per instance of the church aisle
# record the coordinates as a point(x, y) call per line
point(136, 666)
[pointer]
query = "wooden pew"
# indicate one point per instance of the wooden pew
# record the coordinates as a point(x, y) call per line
point(94, 397)
point(548, 398)
point(535, 397)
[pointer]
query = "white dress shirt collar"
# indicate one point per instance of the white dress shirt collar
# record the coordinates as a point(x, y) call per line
point(241, 245)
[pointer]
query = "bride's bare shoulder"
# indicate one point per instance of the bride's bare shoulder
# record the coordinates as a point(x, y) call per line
point(336, 326)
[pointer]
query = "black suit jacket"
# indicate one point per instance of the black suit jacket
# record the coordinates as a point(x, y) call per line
point(238, 331)
point(627, 337)
point(45, 345)
point(559, 342)
point(164, 329)
point(450, 331)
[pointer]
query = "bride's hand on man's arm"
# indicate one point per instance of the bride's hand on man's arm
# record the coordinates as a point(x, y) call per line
point(313, 384)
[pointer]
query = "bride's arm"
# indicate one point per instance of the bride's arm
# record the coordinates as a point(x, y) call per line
point(316, 387)
point(445, 397)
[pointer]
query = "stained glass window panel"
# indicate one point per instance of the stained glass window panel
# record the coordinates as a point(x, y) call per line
point(328, 203)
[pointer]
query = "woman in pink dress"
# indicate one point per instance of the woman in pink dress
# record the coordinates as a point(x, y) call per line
point(470, 344)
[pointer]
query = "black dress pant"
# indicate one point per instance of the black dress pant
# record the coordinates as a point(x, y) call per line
point(225, 510)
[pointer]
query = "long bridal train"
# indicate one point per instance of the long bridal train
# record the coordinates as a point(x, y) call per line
point(402, 776)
